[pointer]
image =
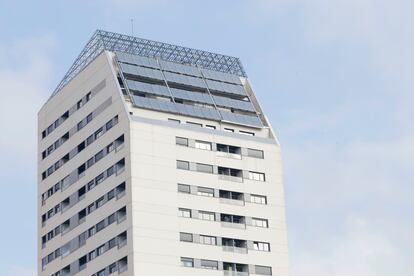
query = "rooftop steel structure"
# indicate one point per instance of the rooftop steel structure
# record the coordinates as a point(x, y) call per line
point(104, 40)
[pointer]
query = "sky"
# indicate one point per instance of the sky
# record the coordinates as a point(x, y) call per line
point(333, 77)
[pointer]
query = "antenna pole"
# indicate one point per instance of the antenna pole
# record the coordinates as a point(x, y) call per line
point(132, 27)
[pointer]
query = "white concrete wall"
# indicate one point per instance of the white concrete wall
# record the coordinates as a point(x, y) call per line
point(97, 71)
point(155, 200)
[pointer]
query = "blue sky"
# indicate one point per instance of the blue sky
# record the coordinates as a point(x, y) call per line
point(333, 76)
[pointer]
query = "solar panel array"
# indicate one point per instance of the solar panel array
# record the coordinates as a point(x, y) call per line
point(114, 42)
point(187, 90)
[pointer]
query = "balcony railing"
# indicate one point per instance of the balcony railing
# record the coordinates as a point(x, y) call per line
point(122, 243)
point(122, 268)
point(232, 201)
point(229, 155)
point(235, 273)
point(120, 194)
point(241, 250)
point(233, 225)
point(230, 178)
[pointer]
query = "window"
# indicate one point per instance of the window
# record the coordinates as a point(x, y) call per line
point(209, 264)
point(228, 129)
point(110, 147)
point(246, 133)
point(205, 191)
point(79, 104)
point(99, 178)
point(110, 171)
point(260, 222)
point(207, 215)
point(80, 125)
point(187, 262)
point(231, 195)
point(88, 96)
point(208, 240)
point(99, 156)
point(181, 141)
point(109, 125)
point(111, 219)
point(57, 253)
point(92, 255)
point(98, 133)
point(111, 243)
point(91, 231)
point(82, 239)
point(185, 213)
point(81, 192)
point(99, 202)
point(90, 185)
point(101, 273)
point(112, 268)
point(182, 188)
point(194, 124)
point(100, 250)
point(210, 127)
point(258, 199)
point(81, 169)
point(263, 270)
point(187, 237)
point(202, 145)
point(89, 118)
point(89, 140)
point(82, 214)
point(257, 176)
point(111, 194)
point(82, 261)
point(255, 153)
point(261, 246)
point(183, 165)
point(91, 208)
point(174, 120)
point(81, 146)
point(204, 168)
point(100, 225)
point(49, 150)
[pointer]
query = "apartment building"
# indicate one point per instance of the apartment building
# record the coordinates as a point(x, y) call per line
point(156, 159)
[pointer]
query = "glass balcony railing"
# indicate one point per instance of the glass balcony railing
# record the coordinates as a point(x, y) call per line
point(235, 273)
point(230, 178)
point(241, 250)
point(232, 201)
point(233, 225)
point(229, 155)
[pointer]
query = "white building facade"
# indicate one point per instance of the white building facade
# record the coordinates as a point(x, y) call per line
point(156, 159)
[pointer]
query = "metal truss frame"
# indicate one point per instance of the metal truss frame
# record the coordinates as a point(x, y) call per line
point(104, 40)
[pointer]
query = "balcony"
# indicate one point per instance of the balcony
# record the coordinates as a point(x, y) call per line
point(235, 269)
point(229, 151)
point(229, 197)
point(232, 221)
